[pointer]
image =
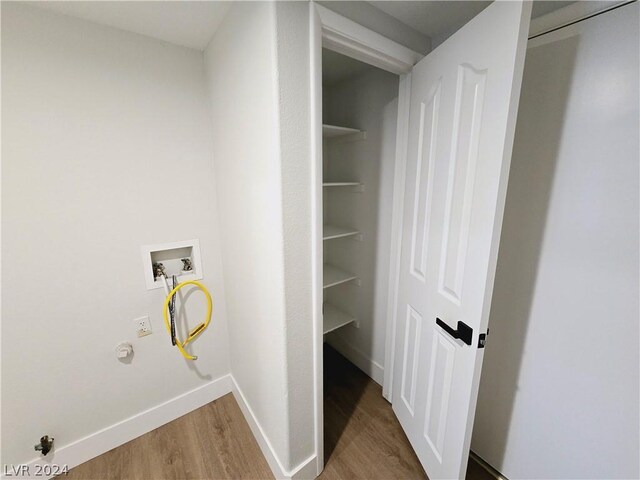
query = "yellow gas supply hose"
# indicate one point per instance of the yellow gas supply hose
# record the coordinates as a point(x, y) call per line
point(196, 331)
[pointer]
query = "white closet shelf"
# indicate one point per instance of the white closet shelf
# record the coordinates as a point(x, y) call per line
point(334, 318)
point(330, 131)
point(330, 232)
point(335, 276)
point(342, 184)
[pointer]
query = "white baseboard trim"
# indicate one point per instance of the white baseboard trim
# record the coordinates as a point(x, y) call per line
point(126, 430)
point(307, 470)
point(359, 359)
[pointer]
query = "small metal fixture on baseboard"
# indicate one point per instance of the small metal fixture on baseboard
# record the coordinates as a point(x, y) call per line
point(488, 468)
point(45, 445)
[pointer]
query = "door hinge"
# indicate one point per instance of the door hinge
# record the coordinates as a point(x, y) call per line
point(482, 339)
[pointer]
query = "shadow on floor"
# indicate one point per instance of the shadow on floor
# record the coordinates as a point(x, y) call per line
point(344, 385)
point(362, 437)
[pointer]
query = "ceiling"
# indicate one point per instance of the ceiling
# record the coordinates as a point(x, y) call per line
point(440, 19)
point(193, 23)
point(433, 19)
point(186, 23)
point(541, 8)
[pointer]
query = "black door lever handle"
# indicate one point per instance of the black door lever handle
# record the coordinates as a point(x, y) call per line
point(464, 332)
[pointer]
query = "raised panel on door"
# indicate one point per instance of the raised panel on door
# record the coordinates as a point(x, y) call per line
point(425, 162)
point(410, 360)
point(443, 353)
point(469, 101)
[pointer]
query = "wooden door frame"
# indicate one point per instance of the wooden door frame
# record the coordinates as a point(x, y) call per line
point(335, 32)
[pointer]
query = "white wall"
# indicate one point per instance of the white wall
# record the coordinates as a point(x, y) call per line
point(98, 126)
point(258, 75)
point(242, 80)
point(559, 391)
point(368, 102)
point(292, 30)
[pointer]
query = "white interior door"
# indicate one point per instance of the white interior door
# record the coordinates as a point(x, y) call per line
point(463, 108)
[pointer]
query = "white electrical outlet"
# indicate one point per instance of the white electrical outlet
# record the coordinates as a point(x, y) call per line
point(143, 326)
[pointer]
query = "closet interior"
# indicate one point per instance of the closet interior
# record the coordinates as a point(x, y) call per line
point(360, 104)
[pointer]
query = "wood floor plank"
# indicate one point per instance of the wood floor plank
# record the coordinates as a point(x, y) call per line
point(363, 440)
point(212, 442)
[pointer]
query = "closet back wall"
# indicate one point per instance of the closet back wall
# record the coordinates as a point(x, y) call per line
point(369, 102)
point(105, 147)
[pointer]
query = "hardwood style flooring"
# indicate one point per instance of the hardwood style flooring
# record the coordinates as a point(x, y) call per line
point(363, 440)
point(362, 437)
point(212, 442)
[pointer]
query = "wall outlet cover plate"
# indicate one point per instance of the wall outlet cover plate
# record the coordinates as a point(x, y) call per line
point(143, 326)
